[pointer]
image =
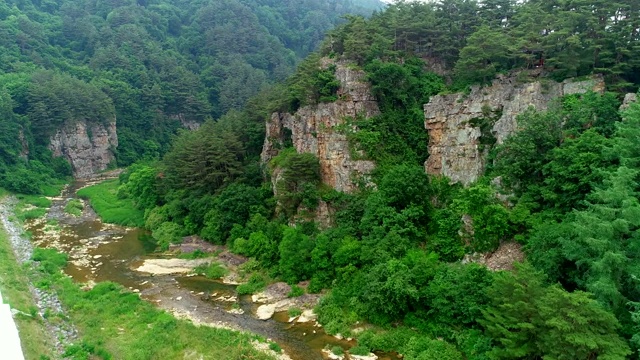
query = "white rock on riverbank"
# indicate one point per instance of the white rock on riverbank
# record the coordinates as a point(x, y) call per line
point(170, 266)
point(265, 312)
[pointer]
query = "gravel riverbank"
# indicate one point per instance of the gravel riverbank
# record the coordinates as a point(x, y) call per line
point(62, 332)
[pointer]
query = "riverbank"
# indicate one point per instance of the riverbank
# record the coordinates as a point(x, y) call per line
point(113, 322)
point(39, 337)
point(104, 199)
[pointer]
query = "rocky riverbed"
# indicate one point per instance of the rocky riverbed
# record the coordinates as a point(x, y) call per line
point(102, 252)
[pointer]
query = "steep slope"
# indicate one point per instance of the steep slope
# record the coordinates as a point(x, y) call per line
point(89, 147)
point(462, 127)
point(316, 129)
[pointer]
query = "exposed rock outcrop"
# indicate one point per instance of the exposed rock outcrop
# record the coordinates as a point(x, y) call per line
point(628, 100)
point(455, 146)
point(313, 130)
point(89, 147)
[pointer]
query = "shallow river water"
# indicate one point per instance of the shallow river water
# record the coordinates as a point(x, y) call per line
point(104, 252)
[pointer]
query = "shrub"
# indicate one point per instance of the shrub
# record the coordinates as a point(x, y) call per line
point(275, 347)
point(74, 207)
point(256, 283)
point(359, 350)
point(212, 270)
point(295, 291)
point(294, 312)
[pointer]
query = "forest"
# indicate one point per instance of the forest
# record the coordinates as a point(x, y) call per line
point(393, 256)
point(149, 64)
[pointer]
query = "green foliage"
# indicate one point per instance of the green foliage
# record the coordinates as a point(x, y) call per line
point(256, 283)
point(204, 160)
point(397, 135)
point(421, 348)
point(295, 255)
point(528, 319)
point(486, 53)
point(457, 294)
point(213, 270)
point(167, 233)
point(560, 155)
point(74, 207)
point(50, 261)
point(275, 347)
point(235, 205)
point(359, 350)
point(296, 291)
point(337, 350)
point(294, 312)
point(311, 84)
point(55, 100)
point(140, 182)
point(108, 314)
point(298, 183)
point(110, 207)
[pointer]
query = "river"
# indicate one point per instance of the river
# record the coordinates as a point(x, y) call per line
point(104, 252)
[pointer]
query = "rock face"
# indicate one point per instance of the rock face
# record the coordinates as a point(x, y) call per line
point(89, 147)
point(628, 100)
point(455, 146)
point(313, 130)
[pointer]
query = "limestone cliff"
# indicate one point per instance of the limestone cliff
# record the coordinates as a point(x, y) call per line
point(456, 149)
point(89, 147)
point(313, 130)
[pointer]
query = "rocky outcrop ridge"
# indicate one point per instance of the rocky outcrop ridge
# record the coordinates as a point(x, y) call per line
point(89, 147)
point(456, 149)
point(628, 100)
point(313, 130)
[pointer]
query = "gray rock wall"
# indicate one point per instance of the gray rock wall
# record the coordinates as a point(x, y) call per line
point(88, 147)
point(313, 130)
point(455, 150)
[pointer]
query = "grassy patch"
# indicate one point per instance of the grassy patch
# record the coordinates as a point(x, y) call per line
point(294, 312)
point(36, 343)
point(338, 350)
point(74, 207)
point(275, 347)
point(117, 324)
point(31, 206)
point(295, 291)
point(212, 270)
point(197, 254)
point(359, 350)
point(53, 188)
point(256, 283)
point(104, 199)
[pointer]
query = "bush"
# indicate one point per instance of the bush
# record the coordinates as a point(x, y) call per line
point(255, 284)
point(212, 270)
point(295, 291)
point(359, 350)
point(50, 260)
point(167, 233)
point(275, 347)
point(74, 207)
